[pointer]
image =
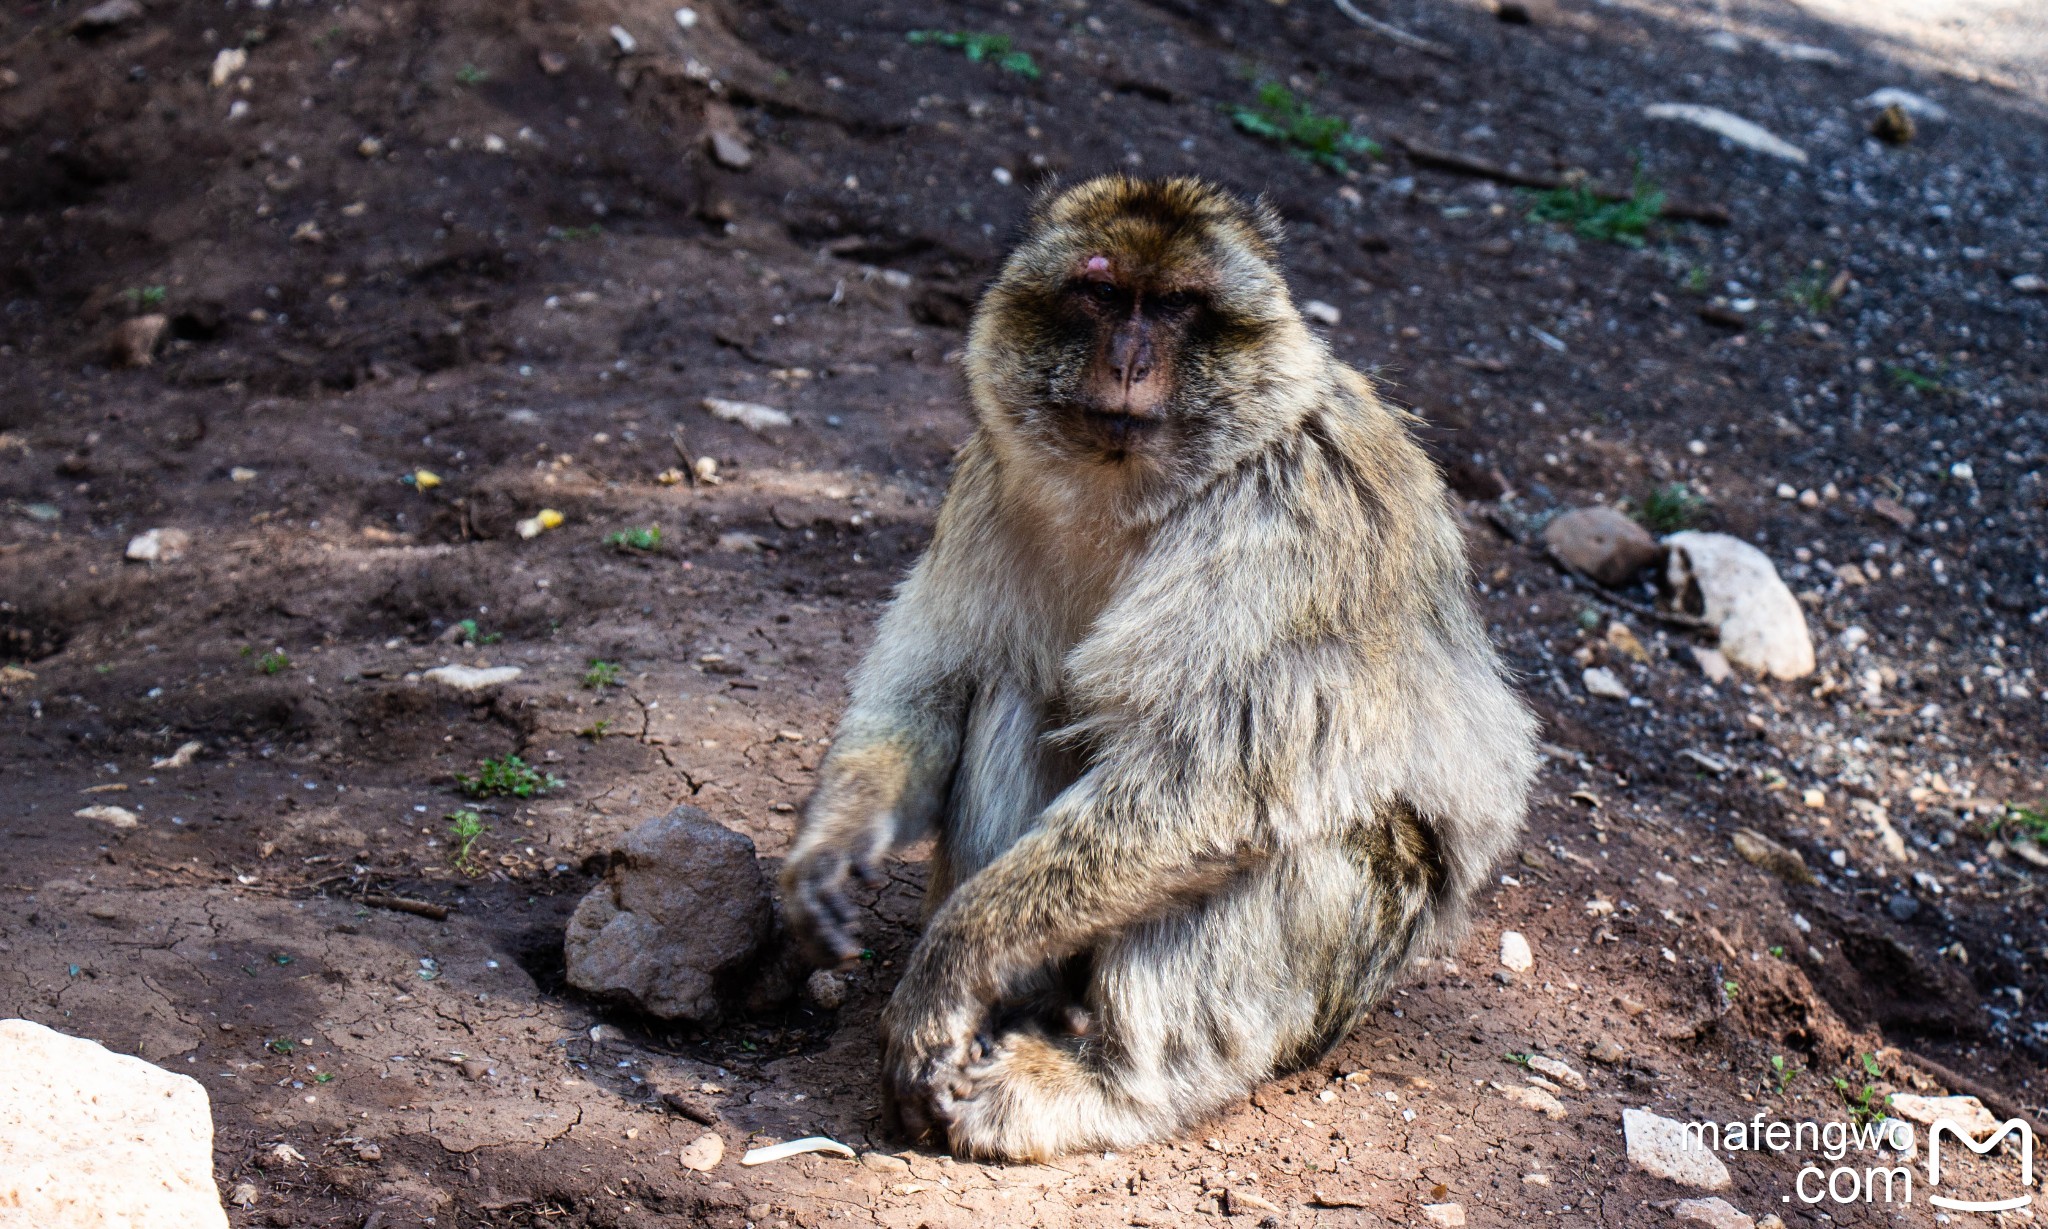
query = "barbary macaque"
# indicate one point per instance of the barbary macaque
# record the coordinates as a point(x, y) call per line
point(1188, 689)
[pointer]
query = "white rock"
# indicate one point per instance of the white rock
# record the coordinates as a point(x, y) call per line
point(730, 150)
point(120, 817)
point(686, 18)
point(1715, 1213)
point(471, 678)
point(624, 40)
point(1727, 124)
point(1602, 682)
point(1712, 663)
point(1803, 53)
point(230, 61)
point(1659, 1147)
point(1739, 593)
point(702, 1153)
point(1322, 313)
point(2030, 283)
point(1919, 106)
point(1531, 1098)
point(1515, 953)
point(1726, 41)
point(89, 1138)
point(827, 989)
point(755, 417)
point(1563, 1072)
point(241, 473)
point(1444, 1215)
point(740, 542)
point(159, 546)
point(1967, 1113)
point(181, 758)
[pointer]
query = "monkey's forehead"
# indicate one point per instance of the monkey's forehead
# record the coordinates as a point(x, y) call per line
point(1155, 221)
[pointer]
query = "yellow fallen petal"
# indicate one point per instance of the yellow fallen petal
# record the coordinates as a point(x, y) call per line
point(425, 479)
point(549, 519)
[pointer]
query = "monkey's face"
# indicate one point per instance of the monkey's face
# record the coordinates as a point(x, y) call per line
point(1135, 326)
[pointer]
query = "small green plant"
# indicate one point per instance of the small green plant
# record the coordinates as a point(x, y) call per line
point(574, 233)
point(596, 730)
point(465, 829)
point(1813, 294)
point(1777, 953)
point(325, 1077)
point(471, 75)
point(280, 1045)
point(1279, 116)
point(274, 662)
point(1731, 988)
point(1516, 1057)
point(509, 775)
point(1669, 508)
point(467, 632)
point(641, 539)
point(980, 48)
point(1623, 221)
point(602, 674)
point(145, 296)
point(1697, 279)
point(1906, 377)
point(2023, 823)
point(1783, 1072)
point(1866, 1105)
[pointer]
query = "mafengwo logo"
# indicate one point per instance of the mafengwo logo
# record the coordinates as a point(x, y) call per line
point(2012, 1126)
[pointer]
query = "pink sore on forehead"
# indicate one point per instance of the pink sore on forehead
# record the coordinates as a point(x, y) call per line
point(1098, 264)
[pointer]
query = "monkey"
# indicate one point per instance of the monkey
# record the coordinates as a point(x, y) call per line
point(1187, 687)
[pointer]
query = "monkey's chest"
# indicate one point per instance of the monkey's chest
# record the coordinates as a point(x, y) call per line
point(1007, 775)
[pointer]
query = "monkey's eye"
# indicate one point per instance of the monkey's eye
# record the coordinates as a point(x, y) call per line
point(1177, 300)
point(1100, 292)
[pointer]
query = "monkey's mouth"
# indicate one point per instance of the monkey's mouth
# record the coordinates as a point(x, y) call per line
point(1117, 430)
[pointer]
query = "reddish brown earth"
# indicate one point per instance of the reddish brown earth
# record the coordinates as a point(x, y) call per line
point(533, 273)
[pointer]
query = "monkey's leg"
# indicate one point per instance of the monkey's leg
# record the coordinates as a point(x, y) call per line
point(1189, 1013)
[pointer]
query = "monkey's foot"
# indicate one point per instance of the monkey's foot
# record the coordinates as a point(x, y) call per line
point(1029, 1099)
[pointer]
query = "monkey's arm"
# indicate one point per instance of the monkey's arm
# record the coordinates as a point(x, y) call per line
point(894, 753)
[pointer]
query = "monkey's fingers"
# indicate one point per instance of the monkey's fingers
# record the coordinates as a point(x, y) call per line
point(823, 917)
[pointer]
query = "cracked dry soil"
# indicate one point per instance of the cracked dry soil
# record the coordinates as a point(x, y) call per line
point(491, 243)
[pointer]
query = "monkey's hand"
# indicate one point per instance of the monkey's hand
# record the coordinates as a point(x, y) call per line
point(815, 878)
point(930, 1037)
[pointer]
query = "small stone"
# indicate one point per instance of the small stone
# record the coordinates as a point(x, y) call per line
point(1714, 1213)
point(1602, 682)
point(1895, 512)
point(472, 678)
point(882, 1162)
point(475, 1068)
point(1902, 907)
point(1919, 106)
point(2029, 283)
point(691, 1106)
point(1733, 586)
point(760, 419)
point(1606, 1050)
point(1967, 1113)
point(740, 542)
point(110, 15)
point(1322, 313)
point(1894, 126)
point(686, 18)
point(1241, 1201)
point(241, 473)
point(1659, 1147)
point(1760, 850)
point(228, 62)
point(181, 758)
point(1515, 953)
point(1444, 1215)
point(1602, 543)
point(730, 150)
point(702, 1153)
point(244, 1195)
point(159, 546)
point(1624, 641)
point(1712, 663)
point(1558, 1070)
point(119, 817)
point(827, 989)
point(624, 40)
point(553, 63)
point(1531, 1098)
point(134, 341)
point(1814, 799)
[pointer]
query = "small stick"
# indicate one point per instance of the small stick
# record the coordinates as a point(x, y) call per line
point(1480, 168)
point(1395, 34)
point(403, 904)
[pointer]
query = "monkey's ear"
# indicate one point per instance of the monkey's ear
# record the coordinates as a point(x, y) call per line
point(1039, 214)
point(1266, 223)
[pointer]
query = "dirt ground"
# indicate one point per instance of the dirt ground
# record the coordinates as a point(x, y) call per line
point(426, 269)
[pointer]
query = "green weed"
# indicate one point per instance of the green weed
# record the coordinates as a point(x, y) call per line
point(2025, 823)
point(1669, 508)
point(1697, 279)
point(467, 632)
point(596, 730)
point(1906, 377)
point(465, 829)
point(274, 662)
point(510, 775)
point(981, 48)
point(1783, 1072)
point(642, 539)
point(471, 75)
point(1866, 1105)
point(602, 674)
point(145, 296)
point(1625, 221)
point(1279, 116)
point(573, 233)
point(1813, 294)
point(280, 1045)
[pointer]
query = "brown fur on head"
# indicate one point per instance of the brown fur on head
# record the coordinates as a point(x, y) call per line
point(1131, 330)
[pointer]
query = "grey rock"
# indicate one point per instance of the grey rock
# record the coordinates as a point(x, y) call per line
point(108, 15)
point(678, 925)
point(1603, 544)
point(1902, 907)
